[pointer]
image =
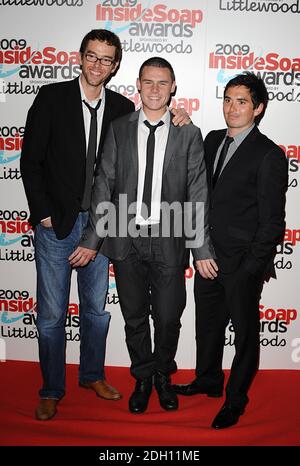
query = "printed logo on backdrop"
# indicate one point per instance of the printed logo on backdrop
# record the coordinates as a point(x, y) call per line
point(11, 140)
point(40, 3)
point(285, 251)
point(154, 28)
point(260, 6)
point(18, 313)
point(274, 326)
point(18, 316)
point(281, 74)
point(16, 236)
point(151, 27)
point(24, 67)
point(292, 153)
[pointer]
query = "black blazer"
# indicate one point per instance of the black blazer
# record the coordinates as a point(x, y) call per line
point(247, 206)
point(54, 152)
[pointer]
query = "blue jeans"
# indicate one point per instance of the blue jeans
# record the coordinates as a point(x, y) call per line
point(53, 289)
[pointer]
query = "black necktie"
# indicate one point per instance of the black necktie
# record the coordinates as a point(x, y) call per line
point(222, 157)
point(90, 157)
point(147, 193)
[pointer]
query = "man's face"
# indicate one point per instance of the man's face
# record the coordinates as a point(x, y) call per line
point(155, 88)
point(238, 109)
point(95, 74)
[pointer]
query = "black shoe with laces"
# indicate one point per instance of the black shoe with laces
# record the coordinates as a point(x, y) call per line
point(166, 393)
point(194, 388)
point(138, 402)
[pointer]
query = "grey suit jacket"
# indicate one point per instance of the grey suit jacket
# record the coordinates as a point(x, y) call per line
point(184, 181)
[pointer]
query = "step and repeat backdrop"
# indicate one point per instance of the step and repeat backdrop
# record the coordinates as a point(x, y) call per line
point(207, 42)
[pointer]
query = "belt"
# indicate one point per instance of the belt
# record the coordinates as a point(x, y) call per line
point(148, 228)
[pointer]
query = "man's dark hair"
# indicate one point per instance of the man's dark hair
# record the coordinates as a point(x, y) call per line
point(159, 63)
point(257, 88)
point(103, 35)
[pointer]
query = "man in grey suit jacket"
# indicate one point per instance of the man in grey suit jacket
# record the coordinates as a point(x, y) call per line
point(145, 153)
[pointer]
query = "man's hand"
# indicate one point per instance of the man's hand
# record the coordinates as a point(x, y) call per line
point(207, 268)
point(180, 117)
point(82, 256)
point(46, 222)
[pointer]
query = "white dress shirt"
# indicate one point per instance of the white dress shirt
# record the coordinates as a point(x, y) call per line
point(87, 113)
point(161, 137)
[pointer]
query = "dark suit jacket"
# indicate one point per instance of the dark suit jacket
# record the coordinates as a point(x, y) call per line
point(54, 152)
point(247, 206)
point(184, 179)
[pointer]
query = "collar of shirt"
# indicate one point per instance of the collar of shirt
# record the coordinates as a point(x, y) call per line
point(87, 115)
point(165, 118)
point(238, 139)
point(92, 103)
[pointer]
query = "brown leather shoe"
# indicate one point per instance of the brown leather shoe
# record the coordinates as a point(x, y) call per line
point(102, 389)
point(46, 409)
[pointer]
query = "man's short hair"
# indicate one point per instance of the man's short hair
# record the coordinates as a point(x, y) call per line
point(103, 35)
point(159, 63)
point(257, 88)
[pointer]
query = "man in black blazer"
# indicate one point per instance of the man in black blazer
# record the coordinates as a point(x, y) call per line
point(65, 131)
point(247, 185)
point(149, 248)
point(57, 179)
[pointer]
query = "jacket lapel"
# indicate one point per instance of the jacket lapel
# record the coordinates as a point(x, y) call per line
point(133, 135)
point(76, 116)
point(171, 144)
point(210, 150)
point(133, 132)
point(107, 118)
point(242, 151)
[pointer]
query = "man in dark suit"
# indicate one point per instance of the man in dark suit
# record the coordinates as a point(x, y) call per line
point(150, 253)
point(57, 177)
point(247, 177)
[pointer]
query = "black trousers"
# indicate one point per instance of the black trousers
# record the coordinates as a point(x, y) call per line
point(232, 297)
point(147, 286)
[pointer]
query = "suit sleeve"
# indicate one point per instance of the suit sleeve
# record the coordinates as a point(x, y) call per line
point(34, 150)
point(197, 195)
point(271, 191)
point(103, 189)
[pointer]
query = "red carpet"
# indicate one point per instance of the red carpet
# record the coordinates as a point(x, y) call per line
point(272, 416)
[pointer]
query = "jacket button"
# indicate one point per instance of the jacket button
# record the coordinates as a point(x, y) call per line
point(211, 228)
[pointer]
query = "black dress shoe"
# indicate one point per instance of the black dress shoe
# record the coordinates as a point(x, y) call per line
point(194, 389)
point(138, 402)
point(228, 416)
point(167, 397)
